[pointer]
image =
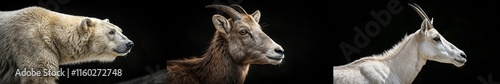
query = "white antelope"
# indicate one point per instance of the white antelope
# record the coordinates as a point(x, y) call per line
point(402, 63)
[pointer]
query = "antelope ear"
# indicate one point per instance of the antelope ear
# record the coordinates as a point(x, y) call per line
point(256, 16)
point(432, 20)
point(424, 26)
point(221, 23)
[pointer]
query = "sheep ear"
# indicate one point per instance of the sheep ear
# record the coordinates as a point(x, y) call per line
point(86, 24)
point(256, 16)
point(221, 23)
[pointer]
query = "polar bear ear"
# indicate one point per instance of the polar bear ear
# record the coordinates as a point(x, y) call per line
point(85, 24)
point(107, 20)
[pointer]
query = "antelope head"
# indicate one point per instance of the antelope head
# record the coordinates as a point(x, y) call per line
point(435, 47)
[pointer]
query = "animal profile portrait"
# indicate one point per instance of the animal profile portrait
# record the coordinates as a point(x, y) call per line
point(237, 42)
point(402, 63)
point(38, 39)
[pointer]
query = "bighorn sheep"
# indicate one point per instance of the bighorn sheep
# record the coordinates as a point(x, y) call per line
point(237, 43)
point(401, 64)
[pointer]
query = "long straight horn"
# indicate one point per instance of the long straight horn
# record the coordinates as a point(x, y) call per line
point(420, 11)
point(226, 9)
point(424, 16)
point(239, 8)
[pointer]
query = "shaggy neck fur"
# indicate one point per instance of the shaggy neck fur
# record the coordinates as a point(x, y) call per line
point(66, 39)
point(404, 60)
point(218, 67)
point(59, 38)
point(73, 45)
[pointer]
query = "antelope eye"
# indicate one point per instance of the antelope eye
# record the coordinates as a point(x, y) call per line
point(436, 39)
point(243, 32)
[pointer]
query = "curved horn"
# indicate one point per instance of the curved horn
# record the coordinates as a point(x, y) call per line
point(422, 15)
point(420, 11)
point(239, 8)
point(226, 9)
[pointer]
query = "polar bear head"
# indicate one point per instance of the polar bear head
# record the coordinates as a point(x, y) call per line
point(100, 40)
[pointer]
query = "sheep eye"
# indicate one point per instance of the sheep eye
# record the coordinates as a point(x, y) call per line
point(111, 32)
point(243, 32)
point(436, 39)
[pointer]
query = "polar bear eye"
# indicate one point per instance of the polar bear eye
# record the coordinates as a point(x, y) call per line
point(111, 32)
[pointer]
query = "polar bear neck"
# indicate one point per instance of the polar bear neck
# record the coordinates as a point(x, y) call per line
point(59, 32)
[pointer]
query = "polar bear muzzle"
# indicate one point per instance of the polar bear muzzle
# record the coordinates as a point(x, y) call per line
point(124, 47)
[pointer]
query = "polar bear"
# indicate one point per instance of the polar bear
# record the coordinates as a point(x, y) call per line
point(37, 39)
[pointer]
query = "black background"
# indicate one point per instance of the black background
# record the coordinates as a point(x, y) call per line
point(309, 31)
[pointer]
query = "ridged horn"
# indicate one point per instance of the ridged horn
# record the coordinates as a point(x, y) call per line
point(238, 8)
point(226, 9)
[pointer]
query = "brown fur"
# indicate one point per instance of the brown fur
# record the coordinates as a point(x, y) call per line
point(214, 67)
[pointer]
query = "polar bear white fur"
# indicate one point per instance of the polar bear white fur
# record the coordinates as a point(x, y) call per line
point(37, 39)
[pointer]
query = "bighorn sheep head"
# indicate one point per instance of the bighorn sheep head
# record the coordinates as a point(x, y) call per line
point(246, 41)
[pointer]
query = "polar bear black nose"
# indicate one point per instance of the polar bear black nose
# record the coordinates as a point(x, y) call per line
point(130, 45)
